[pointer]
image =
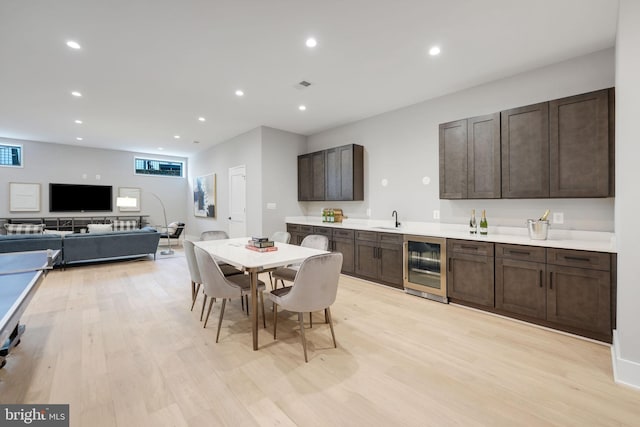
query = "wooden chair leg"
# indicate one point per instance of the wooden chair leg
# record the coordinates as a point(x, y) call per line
point(195, 295)
point(204, 303)
point(224, 301)
point(327, 313)
point(304, 341)
point(246, 303)
point(264, 319)
point(310, 320)
point(271, 281)
point(193, 290)
point(206, 319)
point(275, 319)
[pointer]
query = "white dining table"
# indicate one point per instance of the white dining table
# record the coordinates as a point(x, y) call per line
point(234, 252)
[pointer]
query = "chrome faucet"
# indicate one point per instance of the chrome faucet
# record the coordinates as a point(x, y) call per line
point(395, 213)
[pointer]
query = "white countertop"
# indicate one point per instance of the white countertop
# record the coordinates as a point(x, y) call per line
point(598, 241)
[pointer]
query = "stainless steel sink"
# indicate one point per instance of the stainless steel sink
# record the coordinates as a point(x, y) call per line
point(387, 228)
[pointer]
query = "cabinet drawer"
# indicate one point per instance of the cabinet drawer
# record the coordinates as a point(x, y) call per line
point(306, 229)
point(391, 238)
point(293, 228)
point(370, 236)
point(343, 234)
point(581, 259)
point(525, 253)
point(324, 231)
point(470, 247)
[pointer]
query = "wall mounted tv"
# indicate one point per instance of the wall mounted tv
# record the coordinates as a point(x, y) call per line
point(80, 198)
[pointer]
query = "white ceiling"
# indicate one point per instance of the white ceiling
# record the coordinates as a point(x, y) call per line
point(149, 68)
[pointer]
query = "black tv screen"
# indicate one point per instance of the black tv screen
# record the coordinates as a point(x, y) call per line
point(80, 198)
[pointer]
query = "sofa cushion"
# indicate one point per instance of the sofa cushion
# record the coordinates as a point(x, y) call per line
point(120, 225)
point(99, 228)
point(24, 228)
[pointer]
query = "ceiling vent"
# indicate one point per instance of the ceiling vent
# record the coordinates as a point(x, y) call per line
point(303, 85)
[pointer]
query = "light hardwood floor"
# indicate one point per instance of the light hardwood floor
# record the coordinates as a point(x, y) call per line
point(118, 343)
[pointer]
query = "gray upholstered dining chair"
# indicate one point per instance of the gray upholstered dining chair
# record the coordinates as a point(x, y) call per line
point(315, 288)
point(214, 235)
point(315, 241)
point(282, 237)
point(216, 285)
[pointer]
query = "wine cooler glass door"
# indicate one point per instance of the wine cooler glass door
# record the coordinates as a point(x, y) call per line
point(424, 267)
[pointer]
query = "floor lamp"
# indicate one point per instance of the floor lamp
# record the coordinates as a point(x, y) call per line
point(166, 226)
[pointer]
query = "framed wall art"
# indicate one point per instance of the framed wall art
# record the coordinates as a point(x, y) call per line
point(130, 192)
point(24, 197)
point(204, 196)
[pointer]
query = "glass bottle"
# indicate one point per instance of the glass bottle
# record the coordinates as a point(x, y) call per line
point(483, 224)
point(473, 226)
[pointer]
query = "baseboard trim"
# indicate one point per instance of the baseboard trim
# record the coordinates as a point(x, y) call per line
point(625, 372)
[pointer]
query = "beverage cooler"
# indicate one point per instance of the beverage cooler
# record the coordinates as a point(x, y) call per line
point(425, 267)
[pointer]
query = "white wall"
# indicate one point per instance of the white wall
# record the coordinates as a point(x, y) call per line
point(244, 149)
point(280, 150)
point(45, 163)
point(402, 146)
point(627, 206)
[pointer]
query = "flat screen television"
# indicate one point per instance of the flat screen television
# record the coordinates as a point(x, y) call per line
point(80, 198)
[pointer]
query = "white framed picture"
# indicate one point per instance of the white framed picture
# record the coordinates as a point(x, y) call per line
point(24, 197)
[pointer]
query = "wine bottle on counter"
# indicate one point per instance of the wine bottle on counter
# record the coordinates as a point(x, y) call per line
point(483, 224)
point(473, 226)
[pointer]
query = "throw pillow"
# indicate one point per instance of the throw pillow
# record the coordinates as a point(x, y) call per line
point(119, 225)
point(24, 228)
point(99, 228)
point(172, 228)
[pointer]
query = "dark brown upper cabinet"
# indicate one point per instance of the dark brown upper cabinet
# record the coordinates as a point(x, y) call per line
point(333, 174)
point(525, 152)
point(579, 145)
point(311, 176)
point(344, 173)
point(483, 158)
point(453, 160)
point(470, 158)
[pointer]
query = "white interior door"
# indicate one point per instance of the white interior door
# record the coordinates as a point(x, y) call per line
point(237, 201)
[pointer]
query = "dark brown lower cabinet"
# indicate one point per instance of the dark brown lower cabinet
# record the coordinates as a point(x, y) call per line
point(343, 242)
point(571, 291)
point(298, 232)
point(378, 257)
point(470, 272)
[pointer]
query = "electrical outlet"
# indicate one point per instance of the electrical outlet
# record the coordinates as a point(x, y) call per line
point(369, 212)
point(558, 217)
point(436, 214)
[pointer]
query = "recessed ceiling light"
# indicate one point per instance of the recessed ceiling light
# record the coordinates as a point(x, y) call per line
point(76, 93)
point(202, 119)
point(176, 136)
point(160, 148)
point(239, 93)
point(435, 50)
point(302, 107)
point(78, 121)
point(79, 138)
point(73, 44)
point(311, 42)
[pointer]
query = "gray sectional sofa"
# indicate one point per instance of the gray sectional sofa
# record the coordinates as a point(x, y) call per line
point(87, 247)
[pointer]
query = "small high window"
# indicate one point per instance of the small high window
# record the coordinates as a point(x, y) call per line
point(158, 167)
point(10, 155)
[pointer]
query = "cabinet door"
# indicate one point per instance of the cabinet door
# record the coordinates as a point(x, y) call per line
point(579, 298)
point(347, 249)
point(520, 287)
point(470, 278)
point(390, 264)
point(525, 151)
point(344, 173)
point(311, 176)
point(453, 160)
point(366, 259)
point(579, 145)
point(483, 157)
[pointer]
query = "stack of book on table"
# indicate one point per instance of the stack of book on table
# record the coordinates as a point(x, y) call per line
point(261, 244)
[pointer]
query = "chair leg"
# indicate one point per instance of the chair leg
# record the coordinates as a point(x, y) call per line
point(206, 319)
point(246, 303)
point(327, 313)
point(275, 319)
point(304, 341)
point(310, 319)
point(193, 290)
point(271, 280)
point(242, 302)
point(195, 295)
point(224, 301)
point(264, 320)
point(204, 303)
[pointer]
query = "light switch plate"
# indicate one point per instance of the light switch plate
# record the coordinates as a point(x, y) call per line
point(436, 214)
point(369, 212)
point(558, 217)
point(271, 206)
